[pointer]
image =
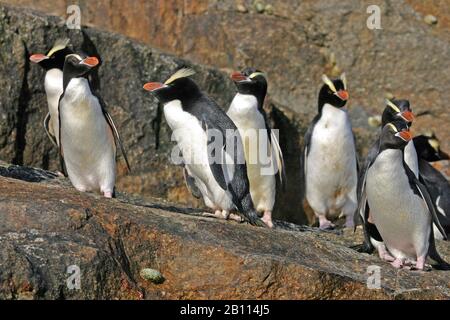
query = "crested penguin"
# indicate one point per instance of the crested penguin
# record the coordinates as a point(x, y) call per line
point(53, 63)
point(428, 150)
point(400, 205)
point(395, 110)
point(329, 161)
point(87, 134)
point(214, 164)
point(246, 111)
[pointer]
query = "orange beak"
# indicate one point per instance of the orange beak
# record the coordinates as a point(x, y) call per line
point(237, 76)
point(405, 135)
point(407, 116)
point(343, 95)
point(38, 57)
point(152, 86)
point(90, 61)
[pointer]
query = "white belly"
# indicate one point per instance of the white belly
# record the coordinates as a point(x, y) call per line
point(258, 154)
point(86, 139)
point(331, 173)
point(53, 90)
point(411, 158)
point(401, 216)
point(192, 141)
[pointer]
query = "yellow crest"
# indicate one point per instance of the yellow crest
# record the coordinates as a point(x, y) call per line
point(59, 44)
point(182, 73)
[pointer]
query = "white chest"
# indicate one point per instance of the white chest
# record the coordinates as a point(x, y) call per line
point(53, 89)
point(244, 112)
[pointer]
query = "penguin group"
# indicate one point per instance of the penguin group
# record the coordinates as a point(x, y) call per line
point(232, 159)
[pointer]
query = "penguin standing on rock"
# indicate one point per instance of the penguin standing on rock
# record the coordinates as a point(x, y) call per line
point(246, 111)
point(395, 110)
point(428, 150)
point(87, 134)
point(400, 205)
point(53, 64)
point(218, 174)
point(329, 162)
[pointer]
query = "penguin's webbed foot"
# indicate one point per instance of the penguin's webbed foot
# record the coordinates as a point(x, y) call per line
point(397, 263)
point(108, 194)
point(267, 218)
point(325, 224)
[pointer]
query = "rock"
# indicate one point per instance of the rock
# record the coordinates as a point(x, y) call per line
point(142, 126)
point(259, 6)
point(152, 275)
point(430, 19)
point(241, 8)
point(48, 226)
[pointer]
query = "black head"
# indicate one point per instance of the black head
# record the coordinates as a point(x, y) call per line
point(178, 87)
point(397, 109)
point(251, 81)
point(333, 92)
point(428, 148)
point(55, 57)
point(395, 135)
point(76, 66)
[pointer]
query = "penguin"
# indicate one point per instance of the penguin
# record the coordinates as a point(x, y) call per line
point(219, 174)
point(400, 206)
point(329, 161)
point(53, 63)
point(87, 134)
point(395, 110)
point(428, 150)
point(246, 111)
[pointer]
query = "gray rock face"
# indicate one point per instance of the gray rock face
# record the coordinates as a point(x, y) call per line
point(127, 248)
point(125, 66)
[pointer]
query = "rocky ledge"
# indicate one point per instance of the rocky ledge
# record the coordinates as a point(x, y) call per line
point(47, 226)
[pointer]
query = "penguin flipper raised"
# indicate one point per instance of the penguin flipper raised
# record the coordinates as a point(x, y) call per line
point(49, 130)
point(117, 139)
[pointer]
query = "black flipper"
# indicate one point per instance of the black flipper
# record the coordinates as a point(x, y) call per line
point(369, 229)
point(441, 264)
point(422, 191)
point(304, 154)
point(190, 183)
point(117, 139)
point(439, 189)
point(238, 186)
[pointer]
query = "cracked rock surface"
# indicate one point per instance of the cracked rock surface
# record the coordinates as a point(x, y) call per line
point(47, 226)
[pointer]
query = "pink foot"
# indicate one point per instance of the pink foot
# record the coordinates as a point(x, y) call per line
point(325, 224)
point(397, 263)
point(107, 194)
point(235, 217)
point(420, 264)
point(267, 218)
point(384, 255)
